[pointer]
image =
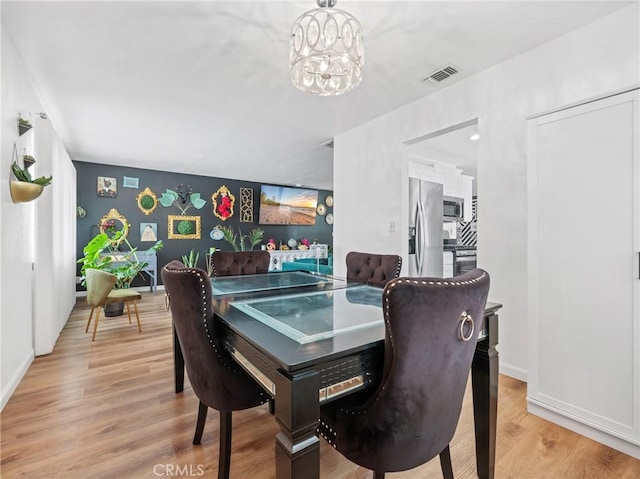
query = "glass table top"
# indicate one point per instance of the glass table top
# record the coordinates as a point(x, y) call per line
point(309, 317)
point(267, 281)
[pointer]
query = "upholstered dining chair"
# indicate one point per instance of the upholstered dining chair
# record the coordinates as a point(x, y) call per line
point(233, 263)
point(373, 269)
point(217, 380)
point(410, 416)
point(100, 292)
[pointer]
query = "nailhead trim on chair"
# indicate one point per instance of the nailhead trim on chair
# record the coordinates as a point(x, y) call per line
point(203, 285)
point(325, 431)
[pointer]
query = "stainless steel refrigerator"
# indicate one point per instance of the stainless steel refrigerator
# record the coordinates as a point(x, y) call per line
point(425, 228)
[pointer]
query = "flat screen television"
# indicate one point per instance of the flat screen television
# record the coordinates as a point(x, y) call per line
point(280, 205)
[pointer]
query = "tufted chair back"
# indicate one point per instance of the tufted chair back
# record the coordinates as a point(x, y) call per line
point(215, 377)
point(431, 330)
point(234, 263)
point(373, 269)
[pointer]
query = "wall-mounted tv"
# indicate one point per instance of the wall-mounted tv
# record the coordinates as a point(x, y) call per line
point(280, 205)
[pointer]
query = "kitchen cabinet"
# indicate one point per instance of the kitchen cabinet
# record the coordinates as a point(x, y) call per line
point(454, 182)
point(584, 301)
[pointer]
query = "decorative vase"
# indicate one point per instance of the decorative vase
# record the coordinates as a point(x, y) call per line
point(22, 191)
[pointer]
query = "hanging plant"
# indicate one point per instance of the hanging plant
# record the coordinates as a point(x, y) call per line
point(25, 188)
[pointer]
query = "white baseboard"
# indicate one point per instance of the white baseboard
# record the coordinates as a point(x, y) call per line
point(10, 387)
point(513, 372)
point(561, 418)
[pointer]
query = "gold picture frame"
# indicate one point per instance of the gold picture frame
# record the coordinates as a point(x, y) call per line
point(108, 224)
point(143, 199)
point(174, 226)
point(223, 203)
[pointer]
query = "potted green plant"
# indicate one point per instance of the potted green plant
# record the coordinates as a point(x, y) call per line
point(26, 188)
point(191, 260)
point(254, 237)
point(115, 255)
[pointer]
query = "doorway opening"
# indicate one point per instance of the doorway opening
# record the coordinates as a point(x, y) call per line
point(449, 157)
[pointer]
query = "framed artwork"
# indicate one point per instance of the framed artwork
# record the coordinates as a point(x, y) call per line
point(183, 227)
point(113, 222)
point(147, 201)
point(246, 205)
point(148, 231)
point(107, 187)
point(281, 205)
point(223, 202)
point(130, 182)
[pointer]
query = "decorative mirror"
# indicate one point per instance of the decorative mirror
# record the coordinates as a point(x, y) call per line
point(113, 222)
point(147, 201)
point(223, 202)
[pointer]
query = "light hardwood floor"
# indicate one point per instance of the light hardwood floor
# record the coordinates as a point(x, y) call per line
point(108, 410)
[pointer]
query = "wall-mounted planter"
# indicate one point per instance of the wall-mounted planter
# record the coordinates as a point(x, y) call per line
point(22, 128)
point(22, 192)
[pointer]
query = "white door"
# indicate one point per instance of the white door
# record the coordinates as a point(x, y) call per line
point(584, 291)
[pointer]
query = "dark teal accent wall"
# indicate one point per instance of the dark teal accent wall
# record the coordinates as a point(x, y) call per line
point(158, 182)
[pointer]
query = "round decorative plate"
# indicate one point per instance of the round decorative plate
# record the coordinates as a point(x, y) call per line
point(321, 209)
point(329, 201)
point(216, 234)
point(329, 219)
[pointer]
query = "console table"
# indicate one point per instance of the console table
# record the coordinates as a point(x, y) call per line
point(287, 256)
point(148, 257)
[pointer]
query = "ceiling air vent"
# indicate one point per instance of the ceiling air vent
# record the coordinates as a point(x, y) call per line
point(440, 75)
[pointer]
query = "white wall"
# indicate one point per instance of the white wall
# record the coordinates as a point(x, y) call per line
point(41, 233)
point(370, 161)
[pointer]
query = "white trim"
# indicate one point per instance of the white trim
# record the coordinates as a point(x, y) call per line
point(584, 102)
point(513, 372)
point(11, 385)
point(628, 446)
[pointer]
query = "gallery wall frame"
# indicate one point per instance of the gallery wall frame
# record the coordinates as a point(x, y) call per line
point(147, 201)
point(107, 187)
point(184, 227)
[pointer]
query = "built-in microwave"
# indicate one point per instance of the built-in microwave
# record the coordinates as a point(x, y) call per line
point(453, 209)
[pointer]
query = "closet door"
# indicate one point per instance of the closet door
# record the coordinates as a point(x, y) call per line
point(584, 291)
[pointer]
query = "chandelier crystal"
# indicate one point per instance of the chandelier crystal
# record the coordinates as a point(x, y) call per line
point(327, 51)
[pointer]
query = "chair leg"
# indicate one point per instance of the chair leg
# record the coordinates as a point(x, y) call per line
point(86, 330)
point(272, 406)
point(126, 303)
point(202, 418)
point(135, 308)
point(224, 459)
point(95, 324)
point(445, 463)
point(378, 475)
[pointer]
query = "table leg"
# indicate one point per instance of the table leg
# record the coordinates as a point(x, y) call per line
point(484, 379)
point(178, 363)
point(297, 412)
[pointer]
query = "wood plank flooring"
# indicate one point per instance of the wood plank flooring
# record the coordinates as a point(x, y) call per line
point(108, 410)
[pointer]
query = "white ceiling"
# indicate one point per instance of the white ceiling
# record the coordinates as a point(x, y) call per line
point(203, 87)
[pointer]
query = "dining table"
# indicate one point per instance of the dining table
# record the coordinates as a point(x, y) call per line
point(309, 338)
